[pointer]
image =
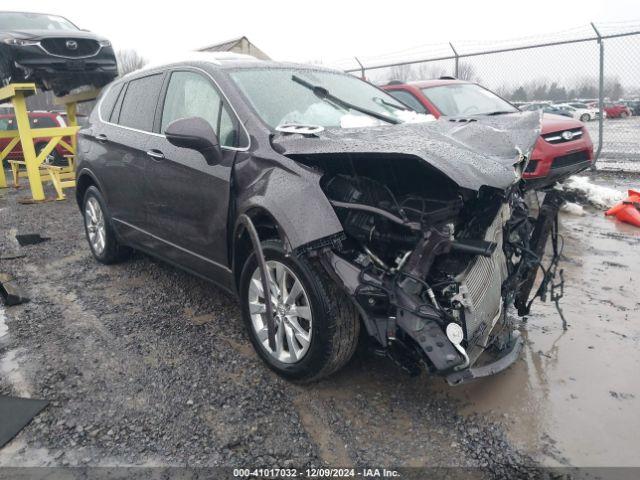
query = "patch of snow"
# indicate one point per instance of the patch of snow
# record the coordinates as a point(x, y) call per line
point(597, 195)
point(319, 113)
point(573, 209)
point(409, 116)
point(357, 121)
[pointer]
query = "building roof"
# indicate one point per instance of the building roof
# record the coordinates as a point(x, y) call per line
point(239, 45)
point(223, 46)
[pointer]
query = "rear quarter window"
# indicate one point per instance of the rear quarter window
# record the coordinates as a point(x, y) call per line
point(139, 103)
point(109, 101)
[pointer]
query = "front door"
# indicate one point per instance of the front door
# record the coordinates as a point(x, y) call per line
point(187, 199)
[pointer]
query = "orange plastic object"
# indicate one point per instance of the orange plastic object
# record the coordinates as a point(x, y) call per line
point(628, 210)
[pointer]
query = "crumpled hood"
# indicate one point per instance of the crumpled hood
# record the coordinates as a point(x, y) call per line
point(476, 153)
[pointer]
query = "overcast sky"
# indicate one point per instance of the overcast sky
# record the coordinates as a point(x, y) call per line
point(325, 30)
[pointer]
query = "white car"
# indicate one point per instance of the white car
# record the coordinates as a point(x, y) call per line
point(581, 111)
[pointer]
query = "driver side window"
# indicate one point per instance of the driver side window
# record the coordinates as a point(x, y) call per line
point(189, 94)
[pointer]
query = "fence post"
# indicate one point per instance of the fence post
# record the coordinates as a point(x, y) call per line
point(362, 71)
point(600, 96)
point(457, 60)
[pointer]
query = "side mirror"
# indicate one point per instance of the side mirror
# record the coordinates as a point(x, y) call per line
point(195, 133)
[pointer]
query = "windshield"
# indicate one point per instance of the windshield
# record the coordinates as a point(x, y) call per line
point(33, 21)
point(466, 99)
point(285, 96)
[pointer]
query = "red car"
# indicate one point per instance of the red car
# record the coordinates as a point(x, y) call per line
point(564, 146)
point(37, 120)
point(616, 110)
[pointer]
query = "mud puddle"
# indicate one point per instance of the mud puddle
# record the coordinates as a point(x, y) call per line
point(574, 396)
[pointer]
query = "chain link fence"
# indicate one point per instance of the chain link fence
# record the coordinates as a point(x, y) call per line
point(597, 65)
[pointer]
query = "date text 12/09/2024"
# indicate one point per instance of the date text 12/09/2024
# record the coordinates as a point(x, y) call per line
point(316, 473)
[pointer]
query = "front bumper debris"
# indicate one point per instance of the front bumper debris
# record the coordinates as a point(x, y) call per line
point(508, 356)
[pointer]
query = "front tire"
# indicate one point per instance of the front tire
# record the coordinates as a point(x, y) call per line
point(585, 117)
point(100, 234)
point(317, 326)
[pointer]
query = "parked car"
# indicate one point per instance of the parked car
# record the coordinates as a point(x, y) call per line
point(36, 120)
point(616, 110)
point(364, 216)
point(633, 106)
point(548, 108)
point(52, 52)
point(580, 111)
point(564, 147)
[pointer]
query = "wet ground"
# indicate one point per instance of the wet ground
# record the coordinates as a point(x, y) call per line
point(146, 365)
point(574, 397)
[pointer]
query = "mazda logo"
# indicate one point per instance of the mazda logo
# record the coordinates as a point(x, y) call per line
point(72, 45)
point(568, 135)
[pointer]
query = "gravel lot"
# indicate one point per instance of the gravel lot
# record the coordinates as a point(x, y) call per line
point(146, 365)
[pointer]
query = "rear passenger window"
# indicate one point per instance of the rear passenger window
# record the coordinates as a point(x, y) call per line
point(109, 100)
point(190, 94)
point(139, 104)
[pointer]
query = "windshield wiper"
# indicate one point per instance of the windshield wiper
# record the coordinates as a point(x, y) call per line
point(324, 94)
point(501, 112)
point(389, 104)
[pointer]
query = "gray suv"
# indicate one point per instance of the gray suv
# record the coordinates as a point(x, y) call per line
point(325, 205)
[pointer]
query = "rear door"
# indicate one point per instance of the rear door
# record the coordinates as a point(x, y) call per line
point(188, 200)
point(124, 139)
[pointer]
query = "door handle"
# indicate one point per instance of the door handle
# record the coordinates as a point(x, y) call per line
point(155, 154)
point(101, 138)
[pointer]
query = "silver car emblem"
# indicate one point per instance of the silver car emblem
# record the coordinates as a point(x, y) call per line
point(567, 135)
point(72, 45)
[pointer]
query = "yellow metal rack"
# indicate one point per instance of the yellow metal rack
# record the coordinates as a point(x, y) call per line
point(36, 170)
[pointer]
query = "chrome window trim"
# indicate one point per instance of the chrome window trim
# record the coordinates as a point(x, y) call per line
point(71, 58)
point(197, 255)
point(170, 70)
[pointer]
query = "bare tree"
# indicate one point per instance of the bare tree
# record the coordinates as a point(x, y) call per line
point(129, 61)
point(613, 89)
point(402, 73)
point(467, 72)
point(428, 71)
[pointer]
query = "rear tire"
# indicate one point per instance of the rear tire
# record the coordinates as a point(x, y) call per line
point(100, 235)
point(585, 117)
point(624, 115)
point(334, 324)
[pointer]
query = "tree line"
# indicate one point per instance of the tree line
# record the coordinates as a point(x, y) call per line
point(536, 89)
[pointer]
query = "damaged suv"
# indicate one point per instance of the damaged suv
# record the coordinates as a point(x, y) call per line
point(325, 205)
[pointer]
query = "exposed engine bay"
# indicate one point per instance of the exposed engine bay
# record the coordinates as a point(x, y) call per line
point(433, 268)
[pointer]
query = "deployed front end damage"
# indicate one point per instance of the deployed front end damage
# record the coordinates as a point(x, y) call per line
point(437, 240)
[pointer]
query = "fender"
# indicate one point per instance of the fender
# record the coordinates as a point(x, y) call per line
point(85, 172)
point(292, 197)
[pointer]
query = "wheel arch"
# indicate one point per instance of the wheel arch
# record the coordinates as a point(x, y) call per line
point(267, 227)
point(84, 179)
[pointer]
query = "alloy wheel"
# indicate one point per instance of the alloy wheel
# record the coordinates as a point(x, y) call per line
point(94, 220)
point(291, 311)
